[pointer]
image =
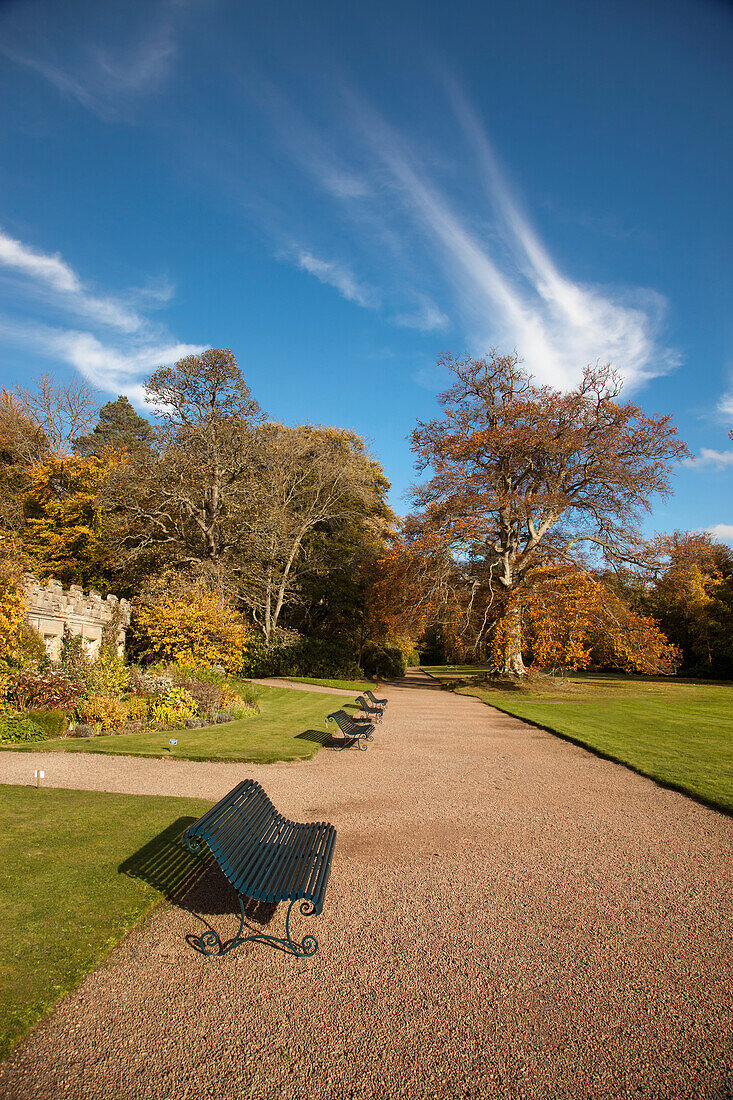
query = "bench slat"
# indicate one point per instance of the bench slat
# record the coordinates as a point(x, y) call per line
point(264, 855)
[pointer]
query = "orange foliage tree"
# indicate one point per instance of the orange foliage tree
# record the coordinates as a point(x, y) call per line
point(62, 534)
point(524, 476)
point(570, 620)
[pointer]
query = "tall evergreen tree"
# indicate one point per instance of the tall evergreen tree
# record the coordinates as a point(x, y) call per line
point(119, 427)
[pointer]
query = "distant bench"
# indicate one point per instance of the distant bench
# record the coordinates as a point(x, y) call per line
point(266, 858)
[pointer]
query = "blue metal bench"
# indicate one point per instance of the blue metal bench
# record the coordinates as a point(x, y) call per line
point(266, 858)
point(357, 733)
point(371, 710)
point(373, 699)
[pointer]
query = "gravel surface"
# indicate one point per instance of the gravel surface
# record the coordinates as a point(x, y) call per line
point(507, 916)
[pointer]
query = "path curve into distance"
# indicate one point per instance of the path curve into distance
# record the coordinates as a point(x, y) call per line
point(508, 916)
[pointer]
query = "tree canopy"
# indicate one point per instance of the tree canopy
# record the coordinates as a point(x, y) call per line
point(523, 475)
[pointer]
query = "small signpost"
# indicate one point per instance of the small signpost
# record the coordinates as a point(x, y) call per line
point(173, 741)
point(39, 775)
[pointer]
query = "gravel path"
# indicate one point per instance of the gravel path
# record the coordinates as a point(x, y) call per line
point(508, 916)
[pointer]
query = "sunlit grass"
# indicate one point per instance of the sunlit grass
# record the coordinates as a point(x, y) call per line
point(291, 725)
point(65, 898)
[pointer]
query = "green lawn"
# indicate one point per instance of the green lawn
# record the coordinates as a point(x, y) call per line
point(343, 685)
point(74, 878)
point(291, 725)
point(679, 732)
point(446, 673)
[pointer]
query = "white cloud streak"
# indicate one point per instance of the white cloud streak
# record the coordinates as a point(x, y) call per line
point(55, 278)
point(114, 363)
point(516, 296)
point(426, 318)
point(340, 278)
point(725, 405)
point(102, 78)
point(483, 254)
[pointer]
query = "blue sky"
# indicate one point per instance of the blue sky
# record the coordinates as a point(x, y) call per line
point(340, 193)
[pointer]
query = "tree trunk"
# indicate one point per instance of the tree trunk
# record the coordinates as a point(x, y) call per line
point(513, 663)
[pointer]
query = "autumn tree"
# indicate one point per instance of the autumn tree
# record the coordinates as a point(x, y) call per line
point(572, 620)
point(63, 531)
point(523, 475)
point(306, 482)
point(191, 623)
point(185, 496)
point(22, 444)
point(60, 411)
point(692, 599)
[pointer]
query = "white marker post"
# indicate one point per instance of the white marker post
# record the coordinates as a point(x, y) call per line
point(39, 775)
point(172, 743)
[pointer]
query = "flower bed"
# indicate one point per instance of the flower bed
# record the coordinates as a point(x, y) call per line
point(81, 698)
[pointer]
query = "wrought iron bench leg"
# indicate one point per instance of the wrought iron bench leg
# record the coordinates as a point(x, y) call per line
point(211, 944)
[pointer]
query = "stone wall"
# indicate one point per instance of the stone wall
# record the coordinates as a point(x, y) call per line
point(50, 609)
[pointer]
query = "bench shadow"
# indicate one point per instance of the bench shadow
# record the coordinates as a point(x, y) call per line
point(320, 737)
point(191, 881)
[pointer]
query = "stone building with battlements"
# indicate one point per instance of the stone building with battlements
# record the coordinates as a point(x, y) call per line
point(50, 609)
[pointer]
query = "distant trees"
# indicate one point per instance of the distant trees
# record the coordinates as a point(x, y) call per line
point(211, 510)
point(61, 412)
point(692, 600)
point(524, 476)
point(307, 483)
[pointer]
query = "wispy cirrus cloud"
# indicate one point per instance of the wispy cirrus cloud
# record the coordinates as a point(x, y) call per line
point(725, 405)
point(474, 248)
point(50, 277)
point(126, 344)
point(337, 275)
point(106, 77)
point(510, 291)
point(426, 317)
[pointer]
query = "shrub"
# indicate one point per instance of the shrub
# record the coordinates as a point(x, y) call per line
point(208, 696)
point(51, 688)
point(195, 626)
point(240, 704)
point(54, 722)
point(12, 607)
point(307, 657)
point(109, 675)
point(173, 708)
point(221, 718)
point(17, 728)
point(74, 661)
point(249, 695)
point(149, 683)
point(388, 660)
point(29, 647)
point(180, 671)
point(136, 707)
point(104, 711)
point(81, 729)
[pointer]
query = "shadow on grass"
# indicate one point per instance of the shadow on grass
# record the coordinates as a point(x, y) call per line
point(319, 737)
point(191, 881)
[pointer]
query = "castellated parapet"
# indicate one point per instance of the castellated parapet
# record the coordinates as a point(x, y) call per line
point(50, 609)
